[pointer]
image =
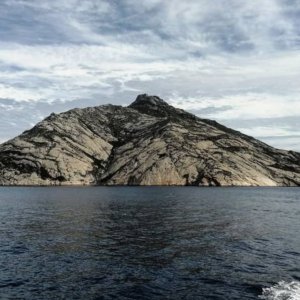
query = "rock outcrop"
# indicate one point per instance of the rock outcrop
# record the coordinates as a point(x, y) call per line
point(147, 143)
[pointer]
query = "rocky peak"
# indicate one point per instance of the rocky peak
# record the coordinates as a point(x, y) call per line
point(152, 105)
point(146, 100)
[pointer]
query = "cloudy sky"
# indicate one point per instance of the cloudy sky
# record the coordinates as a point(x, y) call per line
point(231, 60)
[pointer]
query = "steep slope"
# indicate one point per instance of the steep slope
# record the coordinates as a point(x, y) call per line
point(147, 143)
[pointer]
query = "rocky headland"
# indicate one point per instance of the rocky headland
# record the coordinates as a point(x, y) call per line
point(147, 143)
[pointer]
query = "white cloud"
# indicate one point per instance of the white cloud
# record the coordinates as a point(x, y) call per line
point(244, 106)
point(269, 131)
point(231, 60)
point(288, 143)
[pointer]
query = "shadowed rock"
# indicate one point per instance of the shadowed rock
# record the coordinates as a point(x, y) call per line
point(147, 143)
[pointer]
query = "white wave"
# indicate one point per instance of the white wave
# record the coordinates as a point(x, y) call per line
point(282, 291)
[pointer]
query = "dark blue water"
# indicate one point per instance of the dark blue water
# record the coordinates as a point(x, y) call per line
point(149, 243)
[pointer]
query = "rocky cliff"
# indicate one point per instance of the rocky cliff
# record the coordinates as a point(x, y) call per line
point(147, 143)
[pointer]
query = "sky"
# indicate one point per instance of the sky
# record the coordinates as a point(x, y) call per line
point(234, 61)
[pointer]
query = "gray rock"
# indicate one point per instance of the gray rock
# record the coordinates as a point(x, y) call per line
point(147, 143)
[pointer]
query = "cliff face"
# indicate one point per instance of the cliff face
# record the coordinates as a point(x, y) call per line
point(147, 143)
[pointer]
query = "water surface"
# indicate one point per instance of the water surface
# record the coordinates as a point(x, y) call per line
point(149, 243)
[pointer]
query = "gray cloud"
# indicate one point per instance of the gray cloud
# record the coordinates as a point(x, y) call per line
point(234, 61)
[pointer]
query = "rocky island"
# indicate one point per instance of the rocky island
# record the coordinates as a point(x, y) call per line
point(147, 143)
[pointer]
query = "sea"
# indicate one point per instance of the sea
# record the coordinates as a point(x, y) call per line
point(149, 243)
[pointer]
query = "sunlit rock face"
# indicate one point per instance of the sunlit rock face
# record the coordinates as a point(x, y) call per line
point(147, 143)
